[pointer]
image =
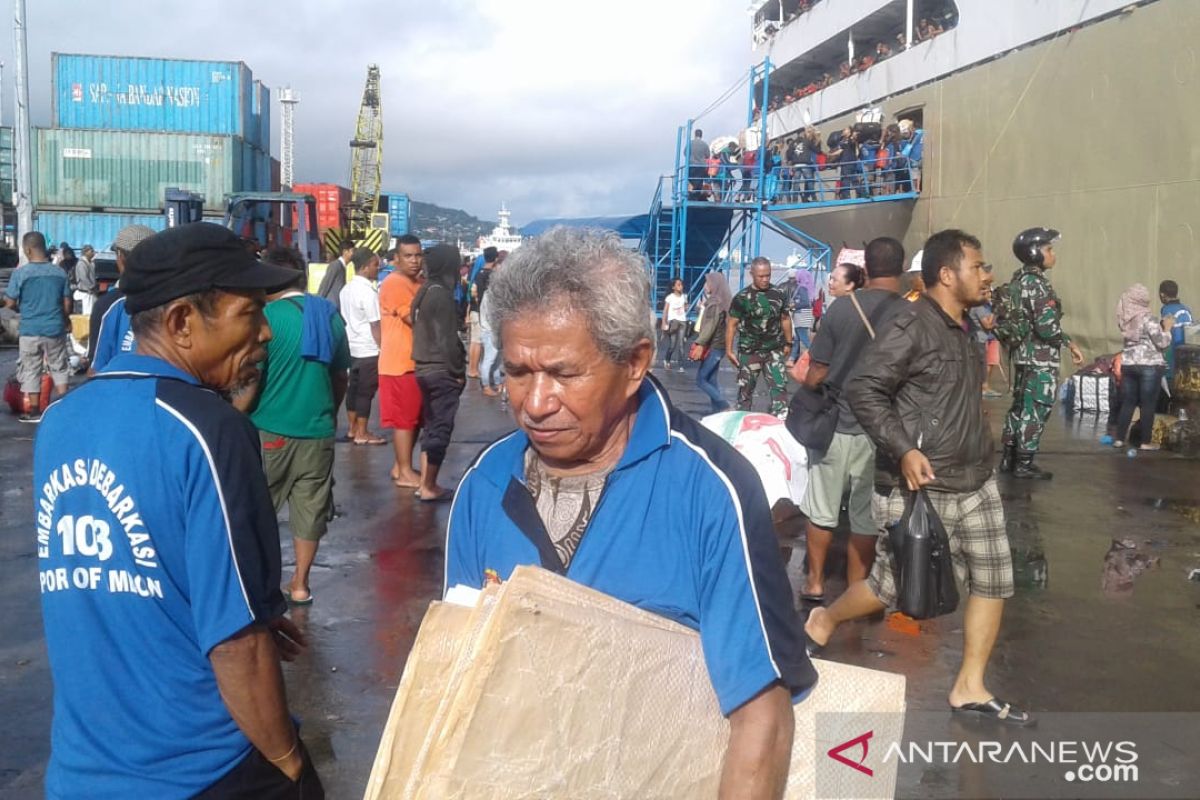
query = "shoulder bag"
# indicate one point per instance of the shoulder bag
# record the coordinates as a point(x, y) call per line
point(813, 413)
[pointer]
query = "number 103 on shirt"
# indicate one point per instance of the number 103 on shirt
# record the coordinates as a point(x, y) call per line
point(86, 536)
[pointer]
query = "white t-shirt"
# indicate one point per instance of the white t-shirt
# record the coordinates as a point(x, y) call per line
point(360, 307)
point(676, 307)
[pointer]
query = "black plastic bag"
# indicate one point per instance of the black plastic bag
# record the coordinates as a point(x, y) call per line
point(924, 571)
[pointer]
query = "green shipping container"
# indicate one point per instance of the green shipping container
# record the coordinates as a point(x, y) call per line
point(130, 170)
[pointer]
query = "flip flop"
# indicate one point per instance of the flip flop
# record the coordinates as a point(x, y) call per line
point(373, 440)
point(441, 498)
point(307, 601)
point(997, 710)
point(812, 598)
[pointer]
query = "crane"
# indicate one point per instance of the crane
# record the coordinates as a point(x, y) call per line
point(366, 160)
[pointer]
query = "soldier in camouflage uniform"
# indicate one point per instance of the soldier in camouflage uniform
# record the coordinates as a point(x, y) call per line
point(760, 318)
point(1036, 356)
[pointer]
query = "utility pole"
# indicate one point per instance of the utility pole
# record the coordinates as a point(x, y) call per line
point(24, 169)
point(288, 98)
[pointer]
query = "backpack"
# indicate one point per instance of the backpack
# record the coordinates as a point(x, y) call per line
point(1011, 323)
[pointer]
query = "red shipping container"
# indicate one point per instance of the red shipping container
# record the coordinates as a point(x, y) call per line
point(331, 198)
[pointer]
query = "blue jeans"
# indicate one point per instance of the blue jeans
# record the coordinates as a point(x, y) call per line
point(809, 174)
point(799, 337)
point(706, 379)
point(1140, 386)
point(488, 364)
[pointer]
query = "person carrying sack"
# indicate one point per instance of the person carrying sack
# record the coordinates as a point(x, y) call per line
point(846, 459)
point(916, 393)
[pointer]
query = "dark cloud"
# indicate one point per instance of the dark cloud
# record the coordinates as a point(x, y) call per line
point(555, 108)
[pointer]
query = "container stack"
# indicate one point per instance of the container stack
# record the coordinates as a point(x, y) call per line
point(331, 200)
point(7, 212)
point(126, 129)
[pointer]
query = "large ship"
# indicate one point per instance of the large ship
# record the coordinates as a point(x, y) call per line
point(502, 237)
point(1073, 114)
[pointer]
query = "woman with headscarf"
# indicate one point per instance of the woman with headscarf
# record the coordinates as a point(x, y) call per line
point(710, 341)
point(1142, 362)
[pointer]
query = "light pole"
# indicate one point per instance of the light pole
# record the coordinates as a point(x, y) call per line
point(24, 169)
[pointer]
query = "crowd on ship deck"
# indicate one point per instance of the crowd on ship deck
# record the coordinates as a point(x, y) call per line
point(862, 160)
point(932, 21)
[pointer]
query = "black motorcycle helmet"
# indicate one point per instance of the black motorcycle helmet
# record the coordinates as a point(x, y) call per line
point(1027, 247)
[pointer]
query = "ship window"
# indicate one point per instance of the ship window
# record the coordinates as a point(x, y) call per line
point(916, 114)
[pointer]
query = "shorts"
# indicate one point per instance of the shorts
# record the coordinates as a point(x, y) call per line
point(979, 545)
point(400, 402)
point(848, 463)
point(993, 353)
point(476, 327)
point(300, 473)
point(37, 355)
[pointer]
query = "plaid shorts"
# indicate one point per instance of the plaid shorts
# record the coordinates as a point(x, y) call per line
point(978, 541)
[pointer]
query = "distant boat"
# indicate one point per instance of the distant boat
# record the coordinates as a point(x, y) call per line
point(502, 236)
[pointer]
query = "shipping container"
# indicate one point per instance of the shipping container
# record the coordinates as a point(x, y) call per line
point(331, 199)
point(6, 165)
point(276, 176)
point(151, 94)
point(129, 171)
point(398, 214)
point(261, 117)
point(78, 228)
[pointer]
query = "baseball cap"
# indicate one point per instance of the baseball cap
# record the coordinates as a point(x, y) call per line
point(194, 258)
point(915, 266)
point(131, 236)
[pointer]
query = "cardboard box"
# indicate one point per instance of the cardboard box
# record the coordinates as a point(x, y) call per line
point(548, 689)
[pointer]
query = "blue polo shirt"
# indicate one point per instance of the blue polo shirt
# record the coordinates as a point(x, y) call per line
point(682, 528)
point(156, 541)
point(115, 334)
point(40, 288)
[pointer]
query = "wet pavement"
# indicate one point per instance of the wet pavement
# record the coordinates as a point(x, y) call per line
point(1093, 627)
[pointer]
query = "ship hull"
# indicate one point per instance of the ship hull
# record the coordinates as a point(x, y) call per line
point(1093, 132)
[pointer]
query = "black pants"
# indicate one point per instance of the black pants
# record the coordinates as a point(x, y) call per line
point(363, 383)
point(1140, 386)
point(256, 778)
point(439, 405)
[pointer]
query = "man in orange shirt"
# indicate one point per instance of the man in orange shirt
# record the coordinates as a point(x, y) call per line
point(399, 394)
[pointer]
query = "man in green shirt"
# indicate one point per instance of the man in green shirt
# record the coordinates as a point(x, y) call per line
point(760, 318)
point(293, 405)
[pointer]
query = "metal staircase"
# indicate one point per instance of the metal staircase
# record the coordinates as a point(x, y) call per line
point(717, 222)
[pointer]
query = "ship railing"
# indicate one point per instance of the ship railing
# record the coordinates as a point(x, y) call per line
point(800, 185)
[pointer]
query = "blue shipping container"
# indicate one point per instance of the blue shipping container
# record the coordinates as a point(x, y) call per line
point(262, 117)
point(398, 214)
point(78, 228)
point(152, 94)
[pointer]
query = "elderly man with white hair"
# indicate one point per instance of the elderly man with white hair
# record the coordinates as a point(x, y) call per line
point(607, 483)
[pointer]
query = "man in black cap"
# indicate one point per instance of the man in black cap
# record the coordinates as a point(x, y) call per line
point(158, 548)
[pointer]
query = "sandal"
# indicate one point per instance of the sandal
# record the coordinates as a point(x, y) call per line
point(304, 601)
point(372, 440)
point(997, 710)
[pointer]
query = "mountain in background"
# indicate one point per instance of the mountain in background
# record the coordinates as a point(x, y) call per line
point(449, 225)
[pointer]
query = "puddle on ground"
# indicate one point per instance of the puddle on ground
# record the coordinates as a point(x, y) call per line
point(1187, 509)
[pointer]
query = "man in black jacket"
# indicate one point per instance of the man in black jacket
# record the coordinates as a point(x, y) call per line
point(441, 364)
point(917, 395)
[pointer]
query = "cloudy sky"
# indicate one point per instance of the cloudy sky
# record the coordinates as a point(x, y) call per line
point(557, 108)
